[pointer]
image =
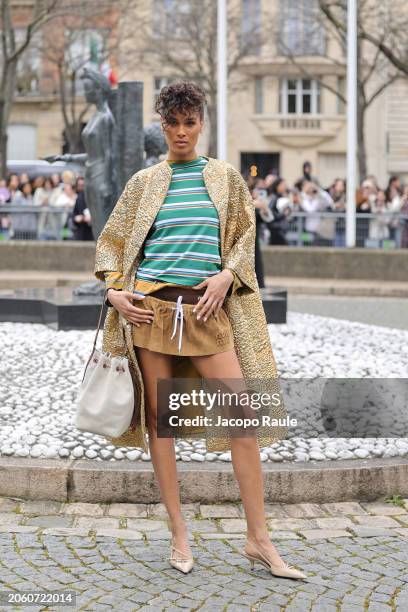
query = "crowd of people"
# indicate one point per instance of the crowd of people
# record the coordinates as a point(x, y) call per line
point(58, 203)
point(283, 212)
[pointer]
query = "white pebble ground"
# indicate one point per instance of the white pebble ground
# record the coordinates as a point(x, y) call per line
point(42, 369)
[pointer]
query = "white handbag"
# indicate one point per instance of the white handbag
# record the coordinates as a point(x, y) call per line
point(105, 403)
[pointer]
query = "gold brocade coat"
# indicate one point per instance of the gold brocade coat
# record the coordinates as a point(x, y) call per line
point(120, 248)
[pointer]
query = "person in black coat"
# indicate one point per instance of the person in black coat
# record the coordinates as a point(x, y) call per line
point(279, 226)
point(81, 219)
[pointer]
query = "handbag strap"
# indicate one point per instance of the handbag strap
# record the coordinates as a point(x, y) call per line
point(97, 331)
point(100, 317)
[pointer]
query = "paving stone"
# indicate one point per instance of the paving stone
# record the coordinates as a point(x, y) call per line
point(159, 534)
point(283, 535)
point(106, 571)
point(125, 534)
point(73, 531)
point(334, 523)
point(223, 536)
point(17, 529)
point(377, 521)
point(159, 511)
point(363, 531)
point(7, 518)
point(40, 507)
point(378, 607)
point(383, 508)
point(144, 524)
point(272, 511)
point(318, 534)
point(291, 524)
point(48, 521)
point(8, 505)
point(204, 525)
point(83, 509)
point(403, 531)
point(127, 510)
point(233, 525)
point(89, 522)
point(344, 508)
point(219, 511)
point(304, 510)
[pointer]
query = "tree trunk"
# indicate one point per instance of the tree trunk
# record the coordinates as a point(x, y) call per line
point(362, 151)
point(212, 120)
point(361, 136)
point(7, 89)
point(73, 137)
point(3, 142)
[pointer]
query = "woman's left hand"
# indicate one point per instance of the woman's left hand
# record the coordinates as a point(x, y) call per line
point(213, 298)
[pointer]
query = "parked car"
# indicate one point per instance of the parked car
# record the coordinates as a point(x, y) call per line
point(39, 167)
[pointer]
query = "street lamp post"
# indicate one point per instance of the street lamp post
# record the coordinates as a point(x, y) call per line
point(351, 122)
point(222, 80)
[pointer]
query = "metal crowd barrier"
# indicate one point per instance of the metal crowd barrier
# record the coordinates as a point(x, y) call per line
point(35, 222)
point(373, 230)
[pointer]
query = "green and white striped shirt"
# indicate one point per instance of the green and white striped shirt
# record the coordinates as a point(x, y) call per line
point(183, 244)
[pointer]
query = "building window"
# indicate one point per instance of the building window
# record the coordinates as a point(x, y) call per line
point(258, 83)
point(251, 26)
point(22, 141)
point(300, 30)
point(29, 67)
point(299, 96)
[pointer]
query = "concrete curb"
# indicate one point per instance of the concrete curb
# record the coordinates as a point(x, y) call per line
point(134, 482)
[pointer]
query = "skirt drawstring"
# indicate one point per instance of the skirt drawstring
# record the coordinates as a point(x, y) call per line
point(179, 315)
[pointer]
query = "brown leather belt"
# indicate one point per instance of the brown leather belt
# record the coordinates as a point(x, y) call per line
point(190, 296)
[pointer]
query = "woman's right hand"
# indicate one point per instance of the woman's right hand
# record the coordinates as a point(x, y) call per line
point(122, 302)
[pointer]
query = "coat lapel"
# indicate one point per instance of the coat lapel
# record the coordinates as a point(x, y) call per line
point(216, 180)
point(158, 182)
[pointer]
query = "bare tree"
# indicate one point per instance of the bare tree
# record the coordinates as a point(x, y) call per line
point(42, 12)
point(375, 70)
point(185, 41)
point(82, 40)
point(95, 30)
point(39, 17)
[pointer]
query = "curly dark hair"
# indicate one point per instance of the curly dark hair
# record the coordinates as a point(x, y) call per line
point(183, 97)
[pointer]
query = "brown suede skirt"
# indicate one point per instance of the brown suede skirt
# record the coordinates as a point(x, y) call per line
point(175, 329)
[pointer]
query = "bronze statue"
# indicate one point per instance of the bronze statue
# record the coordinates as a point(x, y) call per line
point(99, 141)
point(154, 143)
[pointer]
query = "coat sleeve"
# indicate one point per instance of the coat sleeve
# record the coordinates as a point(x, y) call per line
point(241, 255)
point(111, 241)
point(236, 283)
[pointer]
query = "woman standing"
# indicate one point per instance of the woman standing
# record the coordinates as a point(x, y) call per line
point(279, 225)
point(184, 231)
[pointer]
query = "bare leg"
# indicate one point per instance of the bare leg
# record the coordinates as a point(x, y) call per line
point(153, 366)
point(245, 459)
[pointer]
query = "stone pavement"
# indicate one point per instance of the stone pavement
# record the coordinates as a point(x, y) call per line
point(113, 556)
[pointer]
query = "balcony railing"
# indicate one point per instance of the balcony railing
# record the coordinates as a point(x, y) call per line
point(293, 126)
point(300, 123)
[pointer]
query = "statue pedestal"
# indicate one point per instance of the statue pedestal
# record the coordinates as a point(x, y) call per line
point(60, 309)
point(275, 303)
point(56, 307)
